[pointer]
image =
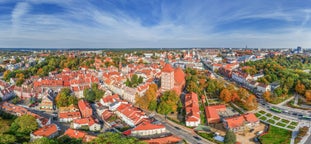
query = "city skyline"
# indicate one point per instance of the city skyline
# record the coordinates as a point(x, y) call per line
point(121, 24)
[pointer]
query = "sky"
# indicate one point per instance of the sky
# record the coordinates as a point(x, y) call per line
point(155, 23)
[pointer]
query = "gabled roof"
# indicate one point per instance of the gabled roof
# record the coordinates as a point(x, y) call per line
point(212, 111)
point(148, 126)
point(83, 105)
point(86, 121)
point(46, 131)
point(238, 121)
point(75, 133)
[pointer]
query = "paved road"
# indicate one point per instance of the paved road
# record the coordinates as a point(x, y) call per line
point(180, 131)
point(308, 141)
point(63, 126)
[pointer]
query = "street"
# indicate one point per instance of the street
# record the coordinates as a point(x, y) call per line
point(180, 131)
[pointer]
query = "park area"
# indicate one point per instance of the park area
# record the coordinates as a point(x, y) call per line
point(276, 136)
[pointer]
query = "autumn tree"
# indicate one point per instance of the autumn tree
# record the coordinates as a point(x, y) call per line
point(20, 79)
point(267, 96)
point(243, 93)
point(193, 87)
point(250, 102)
point(149, 100)
point(308, 95)
point(300, 88)
point(225, 95)
point(234, 96)
point(64, 98)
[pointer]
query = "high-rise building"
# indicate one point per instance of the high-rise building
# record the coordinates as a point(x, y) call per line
point(167, 78)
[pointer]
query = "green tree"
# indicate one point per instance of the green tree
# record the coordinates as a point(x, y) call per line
point(89, 95)
point(230, 137)
point(7, 139)
point(68, 140)
point(134, 81)
point(114, 138)
point(24, 124)
point(64, 98)
point(93, 94)
point(168, 102)
point(44, 140)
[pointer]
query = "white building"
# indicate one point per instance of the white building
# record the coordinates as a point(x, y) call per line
point(263, 88)
point(148, 129)
point(86, 122)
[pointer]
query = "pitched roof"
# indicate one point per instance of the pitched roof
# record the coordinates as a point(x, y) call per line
point(212, 111)
point(192, 107)
point(250, 117)
point(46, 131)
point(148, 126)
point(179, 75)
point(83, 105)
point(234, 122)
point(69, 115)
point(167, 68)
point(75, 133)
point(164, 140)
point(89, 121)
point(238, 121)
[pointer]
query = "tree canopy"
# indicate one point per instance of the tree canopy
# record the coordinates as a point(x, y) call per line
point(93, 94)
point(169, 102)
point(230, 137)
point(149, 100)
point(134, 81)
point(64, 98)
point(114, 138)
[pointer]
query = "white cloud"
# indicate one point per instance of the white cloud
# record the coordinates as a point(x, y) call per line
point(86, 25)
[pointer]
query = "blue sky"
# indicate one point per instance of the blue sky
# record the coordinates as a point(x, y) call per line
point(155, 23)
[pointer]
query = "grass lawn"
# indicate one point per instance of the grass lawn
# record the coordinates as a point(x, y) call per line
point(263, 118)
point(257, 114)
point(281, 124)
point(269, 115)
point(291, 127)
point(262, 112)
point(294, 123)
point(276, 118)
point(271, 121)
point(276, 136)
point(285, 121)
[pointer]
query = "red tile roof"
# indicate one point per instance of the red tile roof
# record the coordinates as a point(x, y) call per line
point(69, 115)
point(212, 111)
point(250, 117)
point(164, 140)
point(238, 121)
point(85, 108)
point(179, 75)
point(111, 98)
point(167, 68)
point(46, 131)
point(148, 126)
point(192, 107)
point(75, 133)
point(89, 121)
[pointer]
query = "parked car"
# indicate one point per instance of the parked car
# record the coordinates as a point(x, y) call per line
point(197, 138)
